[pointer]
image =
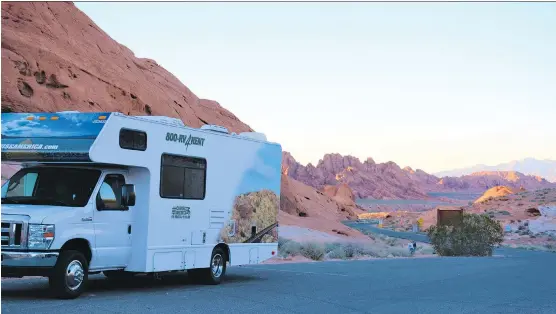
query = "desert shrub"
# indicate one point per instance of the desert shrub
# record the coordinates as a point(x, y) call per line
point(329, 247)
point(397, 251)
point(391, 241)
point(289, 248)
point(425, 250)
point(352, 250)
point(313, 251)
point(476, 236)
point(282, 241)
point(373, 251)
point(337, 253)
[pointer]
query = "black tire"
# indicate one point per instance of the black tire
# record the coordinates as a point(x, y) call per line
point(211, 275)
point(69, 263)
point(118, 274)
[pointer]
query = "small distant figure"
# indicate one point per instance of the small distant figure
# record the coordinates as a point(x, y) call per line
point(412, 247)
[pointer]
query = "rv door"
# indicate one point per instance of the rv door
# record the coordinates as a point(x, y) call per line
point(112, 221)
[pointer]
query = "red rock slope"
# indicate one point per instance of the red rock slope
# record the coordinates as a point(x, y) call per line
point(55, 58)
point(497, 191)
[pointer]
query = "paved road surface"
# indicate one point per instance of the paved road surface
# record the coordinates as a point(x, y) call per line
point(396, 234)
point(522, 283)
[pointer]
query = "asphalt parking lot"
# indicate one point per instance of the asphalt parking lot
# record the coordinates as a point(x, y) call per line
point(519, 282)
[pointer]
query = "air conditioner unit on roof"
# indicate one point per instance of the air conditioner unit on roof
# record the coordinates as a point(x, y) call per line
point(164, 119)
point(254, 135)
point(215, 128)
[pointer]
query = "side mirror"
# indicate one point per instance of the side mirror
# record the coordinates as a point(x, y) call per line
point(128, 195)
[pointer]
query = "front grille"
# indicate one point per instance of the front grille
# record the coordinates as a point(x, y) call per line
point(12, 234)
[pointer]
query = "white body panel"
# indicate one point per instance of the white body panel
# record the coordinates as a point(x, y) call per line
point(230, 159)
point(240, 171)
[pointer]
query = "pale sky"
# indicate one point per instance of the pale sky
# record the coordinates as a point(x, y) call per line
point(433, 86)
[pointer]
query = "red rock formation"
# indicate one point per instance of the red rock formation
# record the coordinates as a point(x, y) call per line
point(341, 193)
point(55, 58)
point(482, 181)
point(389, 181)
point(367, 179)
point(494, 192)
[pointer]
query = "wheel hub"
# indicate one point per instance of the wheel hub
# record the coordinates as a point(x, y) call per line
point(74, 275)
point(217, 265)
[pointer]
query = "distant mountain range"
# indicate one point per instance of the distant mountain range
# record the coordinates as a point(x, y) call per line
point(387, 180)
point(529, 166)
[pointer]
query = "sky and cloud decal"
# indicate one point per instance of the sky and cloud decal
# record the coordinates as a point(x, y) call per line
point(265, 172)
point(50, 136)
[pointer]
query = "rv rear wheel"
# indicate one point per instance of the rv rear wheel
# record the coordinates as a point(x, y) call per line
point(70, 275)
point(212, 275)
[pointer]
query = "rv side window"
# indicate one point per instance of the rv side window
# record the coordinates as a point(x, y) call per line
point(183, 177)
point(132, 139)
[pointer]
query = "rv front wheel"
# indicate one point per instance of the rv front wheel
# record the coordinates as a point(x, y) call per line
point(70, 275)
point(212, 275)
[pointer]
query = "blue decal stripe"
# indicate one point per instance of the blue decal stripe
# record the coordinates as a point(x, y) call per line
point(50, 136)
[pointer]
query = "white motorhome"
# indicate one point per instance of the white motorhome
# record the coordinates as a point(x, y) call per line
point(122, 195)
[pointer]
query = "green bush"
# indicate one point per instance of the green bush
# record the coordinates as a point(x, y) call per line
point(288, 248)
point(337, 253)
point(398, 252)
point(352, 250)
point(313, 251)
point(329, 247)
point(476, 236)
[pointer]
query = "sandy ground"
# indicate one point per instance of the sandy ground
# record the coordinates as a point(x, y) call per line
point(302, 234)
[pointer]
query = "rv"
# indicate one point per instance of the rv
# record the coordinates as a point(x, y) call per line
point(127, 195)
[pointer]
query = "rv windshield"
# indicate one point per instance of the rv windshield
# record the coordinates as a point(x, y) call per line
point(50, 186)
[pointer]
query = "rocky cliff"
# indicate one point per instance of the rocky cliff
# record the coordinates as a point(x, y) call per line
point(482, 181)
point(366, 179)
point(55, 58)
point(388, 181)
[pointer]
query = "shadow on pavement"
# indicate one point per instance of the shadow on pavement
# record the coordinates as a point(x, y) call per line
point(37, 288)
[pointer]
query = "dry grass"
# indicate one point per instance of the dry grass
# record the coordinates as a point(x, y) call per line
point(382, 247)
point(545, 247)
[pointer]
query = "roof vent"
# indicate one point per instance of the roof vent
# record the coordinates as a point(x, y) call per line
point(215, 128)
point(254, 135)
point(164, 119)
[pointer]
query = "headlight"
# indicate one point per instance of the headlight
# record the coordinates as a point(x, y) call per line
point(40, 236)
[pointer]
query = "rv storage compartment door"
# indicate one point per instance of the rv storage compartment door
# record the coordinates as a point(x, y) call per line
point(254, 255)
point(198, 237)
point(164, 261)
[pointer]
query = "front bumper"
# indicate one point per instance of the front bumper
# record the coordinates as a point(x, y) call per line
point(29, 259)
